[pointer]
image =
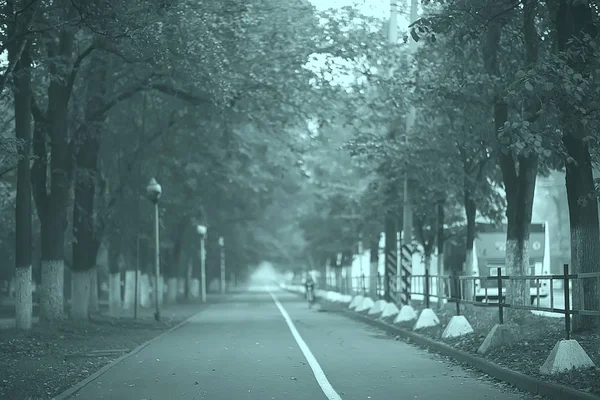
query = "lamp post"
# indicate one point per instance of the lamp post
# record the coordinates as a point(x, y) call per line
point(154, 191)
point(201, 229)
point(222, 246)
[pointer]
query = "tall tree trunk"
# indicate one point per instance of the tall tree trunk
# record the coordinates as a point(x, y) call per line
point(427, 287)
point(196, 283)
point(173, 258)
point(23, 209)
point(441, 283)
point(471, 212)
point(87, 147)
point(574, 20)
point(145, 271)
point(373, 268)
point(52, 206)
point(115, 304)
point(130, 255)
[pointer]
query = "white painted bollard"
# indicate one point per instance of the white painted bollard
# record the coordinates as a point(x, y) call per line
point(458, 326)
point(427, 318)
point(406, 313)
point(356, 301)
point(377, 307)
point(389, 311)
point(566, 355)
point(499, 335)
point(365, 304)
point(346, 298)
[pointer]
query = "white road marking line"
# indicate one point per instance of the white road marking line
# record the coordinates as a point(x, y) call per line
point(322, 380)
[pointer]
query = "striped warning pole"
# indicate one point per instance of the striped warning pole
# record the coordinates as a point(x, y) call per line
point(398, 268)
point(390, 276)
point(406, 273)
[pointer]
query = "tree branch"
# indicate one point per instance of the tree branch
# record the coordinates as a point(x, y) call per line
point(180, 94)
point(6, 171)
point(15, 56)
point(77, 65)
point(133, 158)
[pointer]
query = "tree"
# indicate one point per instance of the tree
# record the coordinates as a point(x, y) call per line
point(575, 30)
point(518, 149)
point(20, 59)
point(85, 232)
point(52, 124)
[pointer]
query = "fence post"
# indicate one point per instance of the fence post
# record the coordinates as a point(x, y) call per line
point(567, 292)
point(500, 308)
point(427, 288)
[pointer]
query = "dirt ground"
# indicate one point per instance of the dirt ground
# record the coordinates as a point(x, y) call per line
point(537, 337)
point(45, 361)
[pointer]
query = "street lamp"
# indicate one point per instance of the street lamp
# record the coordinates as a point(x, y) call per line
point(222, 246)
point(154, 191)
point(201, 229)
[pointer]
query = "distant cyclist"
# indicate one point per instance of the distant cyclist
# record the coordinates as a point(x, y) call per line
point(309, 285)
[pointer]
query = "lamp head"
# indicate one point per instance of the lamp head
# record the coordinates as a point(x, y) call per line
point(153, 190)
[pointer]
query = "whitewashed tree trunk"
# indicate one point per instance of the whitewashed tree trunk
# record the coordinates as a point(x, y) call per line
point(80, 294)
point(145, 300)
point(181, 287)
point(466, 287)
point(129, 297)
point(52, 305)
point(23, 291)
point(171, 290)
point(160, 291)
point(373, 278)
point(195, 288)
point(94, 305)
point(338, 279)
point(214, 285)
point(517, 263)
point(114, 293)
point(440, 283)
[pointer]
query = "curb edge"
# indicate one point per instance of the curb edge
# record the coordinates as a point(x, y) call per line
point(71, 391)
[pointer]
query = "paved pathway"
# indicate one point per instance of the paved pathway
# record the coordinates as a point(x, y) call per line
point(250, 346)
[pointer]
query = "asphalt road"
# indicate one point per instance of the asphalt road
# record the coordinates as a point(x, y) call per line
point(243, 348)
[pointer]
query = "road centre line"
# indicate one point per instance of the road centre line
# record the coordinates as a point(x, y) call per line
point(318, 373)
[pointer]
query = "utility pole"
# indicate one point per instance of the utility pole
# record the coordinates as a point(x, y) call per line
point(407, 218)
point(391, 250)
point(407, 227)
